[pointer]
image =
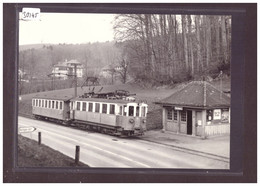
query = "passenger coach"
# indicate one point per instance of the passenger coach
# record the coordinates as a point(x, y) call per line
point(112, 116)
point(56, 108)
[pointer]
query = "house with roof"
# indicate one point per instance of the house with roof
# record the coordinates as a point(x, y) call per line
point(197, 109)
point(65, 70)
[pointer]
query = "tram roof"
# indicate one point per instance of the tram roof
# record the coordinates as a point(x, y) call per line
point(53, 97)
point(104, 100)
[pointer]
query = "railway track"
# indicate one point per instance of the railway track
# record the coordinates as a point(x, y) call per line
point(177, 148)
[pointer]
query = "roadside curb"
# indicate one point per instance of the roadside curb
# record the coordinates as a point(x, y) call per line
point(188, 149)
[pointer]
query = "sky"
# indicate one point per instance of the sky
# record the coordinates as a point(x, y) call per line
point(55, 28)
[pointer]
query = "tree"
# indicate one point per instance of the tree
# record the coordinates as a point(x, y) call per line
point(112, 72)
point(198, 42)
point(123, 70)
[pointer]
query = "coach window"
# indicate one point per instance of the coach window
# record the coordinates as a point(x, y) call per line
point(33, 102)
point(121, 110)
point(61, 105)
point(90, 107)
point(131, 111)
point(84, 106)
point(71, 105)
point(112, 109)
point(125, 110)
point(143, 112)
point(78, 106)
point(137, 111)
point(49, 104)
point(104, 108)
point(46, 102)
point(56, 105)
point(52, 104)
point(97, 107)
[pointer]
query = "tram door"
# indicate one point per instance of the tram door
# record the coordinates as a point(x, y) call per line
point(189, 122)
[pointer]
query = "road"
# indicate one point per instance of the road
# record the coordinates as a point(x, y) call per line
point(100, 150)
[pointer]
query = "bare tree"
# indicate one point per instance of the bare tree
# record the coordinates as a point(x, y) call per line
point(123, 70)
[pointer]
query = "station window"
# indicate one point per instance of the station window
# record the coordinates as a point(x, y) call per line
point(183, 116)
point(137, 111)
point(61, 105)
point(104, 108)
point(175, 116)
point(97, 107)
point(169, 113)
point(78, 106)
point(90, 107)
point(112, 109)
point(53, 104)
point(131, 111)
point(84, 106)
point(209, 115)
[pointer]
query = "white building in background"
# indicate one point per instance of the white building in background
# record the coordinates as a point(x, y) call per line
point(65, 70)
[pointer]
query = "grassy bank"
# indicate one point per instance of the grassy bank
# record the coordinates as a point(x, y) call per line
point(30, 154)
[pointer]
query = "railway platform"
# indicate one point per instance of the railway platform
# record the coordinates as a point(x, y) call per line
point(217, 145)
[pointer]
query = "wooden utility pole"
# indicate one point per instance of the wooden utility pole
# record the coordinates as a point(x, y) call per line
point(75, 79)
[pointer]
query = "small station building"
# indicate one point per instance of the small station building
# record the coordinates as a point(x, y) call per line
point(197, 109)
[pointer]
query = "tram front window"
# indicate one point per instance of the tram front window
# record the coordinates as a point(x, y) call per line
point(131, 111)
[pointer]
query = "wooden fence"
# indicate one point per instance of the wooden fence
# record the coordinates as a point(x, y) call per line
point(217, 129)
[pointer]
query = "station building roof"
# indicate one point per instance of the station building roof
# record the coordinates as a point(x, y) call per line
point(197, 94)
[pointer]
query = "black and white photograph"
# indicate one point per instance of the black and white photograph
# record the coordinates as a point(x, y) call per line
point(129, 93)
point(124, 90)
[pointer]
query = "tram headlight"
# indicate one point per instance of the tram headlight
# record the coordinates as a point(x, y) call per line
point(131, 120)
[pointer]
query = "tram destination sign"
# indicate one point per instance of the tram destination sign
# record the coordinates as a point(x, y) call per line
point(26, 129)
